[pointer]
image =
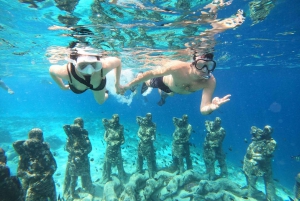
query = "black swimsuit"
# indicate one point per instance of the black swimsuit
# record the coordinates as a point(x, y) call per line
point(86, 81)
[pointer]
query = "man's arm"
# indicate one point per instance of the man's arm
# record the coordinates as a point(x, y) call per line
point(206, 102)
point(149, 75)
point(208, 105)
point(56, 72)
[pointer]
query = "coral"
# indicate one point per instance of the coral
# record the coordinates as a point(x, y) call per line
point(136, 183)
point(178, 181)
point(110, 190)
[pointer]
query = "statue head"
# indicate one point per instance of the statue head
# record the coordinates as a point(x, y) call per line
point(180, 122)
point(185, 118)
point(268, 130)
point(36, 133)
point(259, 134)
point(218, 121)
point(79, 121)
point(115, 118)
point(148, 117)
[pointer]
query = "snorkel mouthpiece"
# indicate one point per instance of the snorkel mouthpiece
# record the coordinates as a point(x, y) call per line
point(207, 76)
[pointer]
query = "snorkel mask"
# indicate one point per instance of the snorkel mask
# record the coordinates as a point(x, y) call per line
point(87, 64)
point(205, 64)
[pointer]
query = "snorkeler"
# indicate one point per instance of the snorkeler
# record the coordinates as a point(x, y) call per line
point(5, 87)
point(88, 73)
point(184, 78)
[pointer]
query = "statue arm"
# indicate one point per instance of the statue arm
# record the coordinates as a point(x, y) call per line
point(271, 146)
point(67, 129)
point(53, 165)
point(154, 133)
point(88, 147)
point(122, 140)
point(106, 136)
point(190, 129)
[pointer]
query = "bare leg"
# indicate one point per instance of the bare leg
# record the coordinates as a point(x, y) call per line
point(163, 96)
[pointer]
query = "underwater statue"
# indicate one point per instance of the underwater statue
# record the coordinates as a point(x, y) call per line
point(36, 167)
point(180, 145)
point(10, 186)
point(147, 135)
point(212, 148)
point(258, 161)
point(79, 146)
point(114, 137)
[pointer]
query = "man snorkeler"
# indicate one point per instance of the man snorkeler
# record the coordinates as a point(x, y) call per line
point(184, 78)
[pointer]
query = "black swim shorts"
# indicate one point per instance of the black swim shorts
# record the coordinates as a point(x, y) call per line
point(157, 82)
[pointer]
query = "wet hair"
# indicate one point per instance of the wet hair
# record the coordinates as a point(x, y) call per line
point(74, 53)
point(208, 56)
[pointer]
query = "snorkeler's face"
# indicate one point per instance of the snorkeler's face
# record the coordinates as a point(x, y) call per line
point(89, 68)
point(206, 67)
point(88, 64)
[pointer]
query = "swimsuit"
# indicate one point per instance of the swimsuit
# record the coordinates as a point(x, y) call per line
point(157, 82)
point(86, 81)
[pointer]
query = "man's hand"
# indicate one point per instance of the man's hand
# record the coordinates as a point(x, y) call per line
point(123, 89)
point(119, 89)
point(217, 102)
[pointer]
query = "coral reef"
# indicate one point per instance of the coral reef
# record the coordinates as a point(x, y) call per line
point(111, 190)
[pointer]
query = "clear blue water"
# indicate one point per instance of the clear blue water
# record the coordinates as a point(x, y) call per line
point(261, 67)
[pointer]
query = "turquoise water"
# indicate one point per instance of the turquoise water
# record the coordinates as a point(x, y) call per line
point(258, 64)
